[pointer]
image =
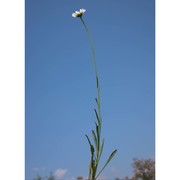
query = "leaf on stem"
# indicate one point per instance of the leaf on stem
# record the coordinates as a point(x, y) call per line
point(98, 103)
point(97, 82)
point(88, 139)
point(101, 149)
point(109, 159)
point(97, 117)
point(95, 138)
point(98, 136)
point(91, 146)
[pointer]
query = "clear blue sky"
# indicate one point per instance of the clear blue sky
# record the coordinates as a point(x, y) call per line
point(60, 84)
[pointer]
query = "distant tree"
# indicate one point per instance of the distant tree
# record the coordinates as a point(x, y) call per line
point(38, 178)
point(79, 178)
point(127, 178)
point(51, 177)
point(144, 169)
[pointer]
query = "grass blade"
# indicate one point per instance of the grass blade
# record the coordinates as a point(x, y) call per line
point(97, 82)
point(97, 116)
point(101, 149)
point(109, 159)
point(95, 139)
point(98, 104)
point(88, 140)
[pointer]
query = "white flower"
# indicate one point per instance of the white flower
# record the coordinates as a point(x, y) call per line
point(79, 13)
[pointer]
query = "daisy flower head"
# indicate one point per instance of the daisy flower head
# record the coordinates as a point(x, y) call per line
point(79, 13)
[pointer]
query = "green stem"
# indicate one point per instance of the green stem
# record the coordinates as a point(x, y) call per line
point(95, 66)
point(92, 175)
point(95, 158)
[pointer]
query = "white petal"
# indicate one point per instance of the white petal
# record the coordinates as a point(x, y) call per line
point(74, 15)
point(83, 10)
point(77, 12)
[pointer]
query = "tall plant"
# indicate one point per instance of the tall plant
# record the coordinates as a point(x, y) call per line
point(96, 148)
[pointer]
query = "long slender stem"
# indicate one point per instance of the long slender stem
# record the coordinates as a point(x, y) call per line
point(95, 158)
point(93, 170)
point(92, 46)
point(95, 66)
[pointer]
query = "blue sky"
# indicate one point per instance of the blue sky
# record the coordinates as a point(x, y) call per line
point(60, 84)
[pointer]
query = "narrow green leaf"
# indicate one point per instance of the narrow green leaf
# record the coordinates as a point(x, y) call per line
point(97, 82)
point(91, 146)
point(97, 132)
point(109, 159)
point(92, 165)
point(88, 140)
point(97, 116)
point(92, 149)
point(101, 149)
point(98, 103)
point(98, 136)
point(97, 128)
point(95, 139)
